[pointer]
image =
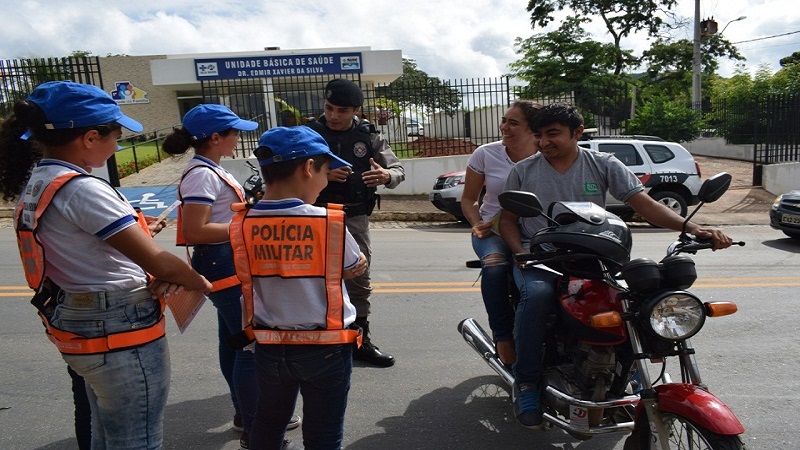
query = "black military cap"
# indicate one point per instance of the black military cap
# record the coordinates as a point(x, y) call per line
point(342, 92)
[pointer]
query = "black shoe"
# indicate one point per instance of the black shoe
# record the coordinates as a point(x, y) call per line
point(372, 354)
point(237, 422)
point(527, 408)
point(294, 422)
point(244, 441)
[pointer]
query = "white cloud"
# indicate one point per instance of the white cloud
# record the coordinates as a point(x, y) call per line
point(448, 38)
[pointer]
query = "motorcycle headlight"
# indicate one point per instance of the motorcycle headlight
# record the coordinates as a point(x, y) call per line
point(675, 315)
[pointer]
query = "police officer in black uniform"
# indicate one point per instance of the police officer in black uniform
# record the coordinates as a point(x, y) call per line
point(374, 164)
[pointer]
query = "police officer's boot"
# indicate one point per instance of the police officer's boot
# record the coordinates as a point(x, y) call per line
point(369, 352)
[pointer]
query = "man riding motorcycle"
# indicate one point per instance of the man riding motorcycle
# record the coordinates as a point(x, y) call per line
point(563, 171)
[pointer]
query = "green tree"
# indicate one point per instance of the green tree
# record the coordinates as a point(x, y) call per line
point(669, 65)
point(415, 89)
point(667, 118)
point(562, 59)
point(566, 64)
point(621, 18)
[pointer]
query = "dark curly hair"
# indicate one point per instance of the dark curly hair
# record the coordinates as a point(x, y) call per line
point(529, 109)
point(558, 113)
point(18, 156)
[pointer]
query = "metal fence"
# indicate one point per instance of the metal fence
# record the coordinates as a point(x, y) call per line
point(18, 77)
point(429, 117)
point(446, 118)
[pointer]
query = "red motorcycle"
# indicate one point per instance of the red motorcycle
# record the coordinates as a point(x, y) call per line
point(616, 320)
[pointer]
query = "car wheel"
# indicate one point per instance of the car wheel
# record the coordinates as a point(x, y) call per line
point(672, 201)
point(792, 234)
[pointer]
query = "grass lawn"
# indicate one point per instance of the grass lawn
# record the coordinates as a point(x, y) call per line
point(143, 151)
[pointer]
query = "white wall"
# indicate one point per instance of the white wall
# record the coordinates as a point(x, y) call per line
point(718, 147)
point(421, 173)
point(781, 178)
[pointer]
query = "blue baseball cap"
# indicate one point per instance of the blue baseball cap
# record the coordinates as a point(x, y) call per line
point(67, 104)
point(204, 120)
point(288, 143)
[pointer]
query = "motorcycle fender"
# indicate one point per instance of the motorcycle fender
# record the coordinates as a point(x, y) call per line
point(699, 406)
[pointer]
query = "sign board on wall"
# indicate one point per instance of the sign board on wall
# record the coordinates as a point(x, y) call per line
point(278, 66)
point(125, 93)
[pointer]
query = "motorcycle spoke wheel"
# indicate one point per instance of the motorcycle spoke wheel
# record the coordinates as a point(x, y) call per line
point(683, 435)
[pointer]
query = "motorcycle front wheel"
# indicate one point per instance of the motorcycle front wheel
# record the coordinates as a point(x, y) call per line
point(683, 435)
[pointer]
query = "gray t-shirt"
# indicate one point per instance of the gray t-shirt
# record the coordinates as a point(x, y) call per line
point(590, 177)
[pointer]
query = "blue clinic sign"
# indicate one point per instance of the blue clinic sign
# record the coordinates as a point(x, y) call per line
point(278, 66)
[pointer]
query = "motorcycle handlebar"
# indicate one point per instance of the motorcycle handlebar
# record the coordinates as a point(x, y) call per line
point(692, 245)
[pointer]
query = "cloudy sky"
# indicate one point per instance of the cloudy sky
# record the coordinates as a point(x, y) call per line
point(447, 38)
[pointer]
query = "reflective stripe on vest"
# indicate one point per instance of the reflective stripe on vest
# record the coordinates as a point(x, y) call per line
point(179, 239)
point(75, 344)
point(225, 283)
point(33, 264)
point(257, 253)
point(30, 250)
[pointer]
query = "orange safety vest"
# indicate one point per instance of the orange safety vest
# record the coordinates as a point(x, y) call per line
point(32, 254)
point(322, 255)
point(223, 283)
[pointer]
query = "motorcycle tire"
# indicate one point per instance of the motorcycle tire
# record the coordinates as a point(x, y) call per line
point(683, 434)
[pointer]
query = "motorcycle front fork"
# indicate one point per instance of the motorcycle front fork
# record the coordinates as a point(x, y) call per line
point(690, 374)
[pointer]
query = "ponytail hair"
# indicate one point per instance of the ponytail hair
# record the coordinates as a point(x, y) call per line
point(17, 155)
point(179, 141)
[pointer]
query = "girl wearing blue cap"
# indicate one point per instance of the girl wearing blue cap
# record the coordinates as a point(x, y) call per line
point(90, 257)
point(297, 307)
point(207, 192)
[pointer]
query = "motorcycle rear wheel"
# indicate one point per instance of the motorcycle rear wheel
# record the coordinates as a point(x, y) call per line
point(683, 435)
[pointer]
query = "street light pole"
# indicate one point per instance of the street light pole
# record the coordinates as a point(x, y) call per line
point(730, 22)
point(696, 72)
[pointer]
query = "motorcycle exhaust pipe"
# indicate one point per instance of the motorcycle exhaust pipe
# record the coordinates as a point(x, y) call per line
point(482, 343)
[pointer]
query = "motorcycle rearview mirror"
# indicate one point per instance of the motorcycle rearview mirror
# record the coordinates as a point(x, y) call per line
point(521, 203)
point(710, 191)
point(713, 188)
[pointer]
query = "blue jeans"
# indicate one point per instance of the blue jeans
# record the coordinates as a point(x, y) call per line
point(537, 289)
point(495, 270)
point(127, 389)
point(238, 366)
point(321, 374)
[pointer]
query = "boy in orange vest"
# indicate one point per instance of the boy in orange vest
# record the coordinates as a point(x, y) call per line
point(292, 258)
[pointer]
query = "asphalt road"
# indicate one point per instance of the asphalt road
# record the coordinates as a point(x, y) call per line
point(439, 395)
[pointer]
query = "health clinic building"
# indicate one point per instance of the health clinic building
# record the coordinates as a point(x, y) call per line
point(275, 87)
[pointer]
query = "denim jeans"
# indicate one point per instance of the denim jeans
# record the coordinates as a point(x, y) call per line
point(494, 285)
point(537, 289)
point(238, 366)
point(83, 411)
point(127, 389)
point(321, 374)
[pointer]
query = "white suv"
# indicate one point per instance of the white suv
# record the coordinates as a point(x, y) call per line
point(668, 171)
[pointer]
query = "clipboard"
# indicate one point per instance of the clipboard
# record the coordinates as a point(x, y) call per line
point(184, 306)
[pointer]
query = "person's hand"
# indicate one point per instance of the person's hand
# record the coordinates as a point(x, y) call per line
point(482, 229)
point(165, 288)
point(160, 288)
point(720, 239)
point(378, 176)
point(155, 225)
point(339, 175)
point(357, 270)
